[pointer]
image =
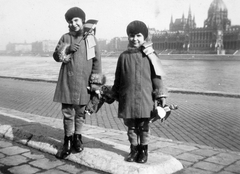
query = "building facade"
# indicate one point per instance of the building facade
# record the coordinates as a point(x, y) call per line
point(216, 36)
point(18, 48)
point(45, 47)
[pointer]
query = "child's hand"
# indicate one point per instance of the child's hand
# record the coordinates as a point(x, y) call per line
point(162, 101)
point(73, 48)
point(95, 88)
point(107, 94)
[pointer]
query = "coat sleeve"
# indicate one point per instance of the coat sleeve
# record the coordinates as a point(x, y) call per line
point(97, 63)
point(97, 79)
point(159, 89)
point(96, 75)
point(56, 53)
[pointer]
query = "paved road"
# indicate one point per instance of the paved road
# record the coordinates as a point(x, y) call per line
point(207, 120)
point(18, 159)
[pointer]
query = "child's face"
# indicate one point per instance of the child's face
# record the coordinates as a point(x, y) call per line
point(75, 24)
point(136, 40)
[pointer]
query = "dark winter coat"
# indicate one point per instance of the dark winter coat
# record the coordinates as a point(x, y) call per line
point(74, 76)
point(135, 81)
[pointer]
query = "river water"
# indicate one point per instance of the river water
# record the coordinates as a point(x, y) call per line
point(196, 75)
point(203, 75)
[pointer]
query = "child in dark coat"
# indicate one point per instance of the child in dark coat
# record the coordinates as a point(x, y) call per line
point(81, 67)
point(138, 83)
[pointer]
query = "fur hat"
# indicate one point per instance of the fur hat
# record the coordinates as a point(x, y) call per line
point(136, 27)
point(75, 12)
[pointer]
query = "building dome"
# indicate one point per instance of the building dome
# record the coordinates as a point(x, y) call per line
point(217, 16)
point(216, 6)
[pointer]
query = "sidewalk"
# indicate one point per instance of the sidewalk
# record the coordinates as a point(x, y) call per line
point(40, 127)
point(16, 158)
point(105, 148)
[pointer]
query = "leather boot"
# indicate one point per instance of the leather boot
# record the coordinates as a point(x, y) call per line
point(66, 150)
point(143, 154)
point(77, 142)
point(132, 156)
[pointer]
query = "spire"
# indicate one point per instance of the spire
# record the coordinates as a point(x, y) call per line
point(189, 19)
point(189, 13)
point(183, 17)
point(171, 24)
point(194, 23)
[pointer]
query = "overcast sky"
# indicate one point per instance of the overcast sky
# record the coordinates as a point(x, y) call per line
point(35, 20)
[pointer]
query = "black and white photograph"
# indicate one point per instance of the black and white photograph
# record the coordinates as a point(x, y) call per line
point(120, 87)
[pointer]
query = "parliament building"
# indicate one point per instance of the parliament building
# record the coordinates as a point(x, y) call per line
point(217, 36)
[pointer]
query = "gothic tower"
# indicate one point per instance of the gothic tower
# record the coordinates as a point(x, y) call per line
point(190, 20)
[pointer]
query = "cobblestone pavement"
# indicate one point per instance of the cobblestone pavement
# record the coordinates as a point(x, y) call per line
point(18, 159)
point(105, 148)
point(202, 119)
